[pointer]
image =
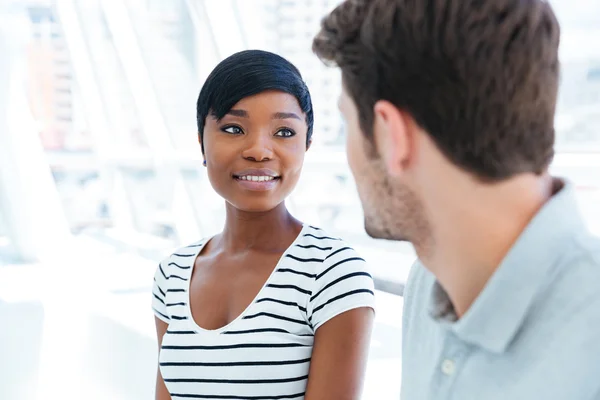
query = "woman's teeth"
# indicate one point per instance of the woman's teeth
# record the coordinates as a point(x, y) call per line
point(253, 178)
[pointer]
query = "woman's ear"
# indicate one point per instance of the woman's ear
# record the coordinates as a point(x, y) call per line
point(202, 149)
point(308, 144)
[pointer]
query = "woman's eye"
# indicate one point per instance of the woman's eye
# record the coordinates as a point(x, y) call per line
point(285, 133)
point(234, 130)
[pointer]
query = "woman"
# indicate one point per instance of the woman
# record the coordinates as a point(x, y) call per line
point(270, 308)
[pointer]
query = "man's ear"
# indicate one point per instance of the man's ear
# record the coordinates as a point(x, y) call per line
point(308, 144)
point(393, 135)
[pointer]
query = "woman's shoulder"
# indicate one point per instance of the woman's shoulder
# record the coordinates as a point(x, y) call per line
point(191, 249)
point(330, 248)
point(184, 256)
point(342, 280)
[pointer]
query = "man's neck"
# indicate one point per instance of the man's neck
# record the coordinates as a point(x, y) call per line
point(474, 232)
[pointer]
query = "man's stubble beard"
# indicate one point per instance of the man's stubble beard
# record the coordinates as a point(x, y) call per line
point(392, 211)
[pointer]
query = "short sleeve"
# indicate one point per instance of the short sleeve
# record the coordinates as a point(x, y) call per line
point(159, 293)
point(341, 284)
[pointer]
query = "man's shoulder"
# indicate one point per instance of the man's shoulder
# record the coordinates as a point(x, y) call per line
point(567, 308)
point(587, 248)
point(578, 270)
point(574, 287)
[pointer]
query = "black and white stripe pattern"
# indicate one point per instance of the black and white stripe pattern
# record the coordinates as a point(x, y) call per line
point(265, 353)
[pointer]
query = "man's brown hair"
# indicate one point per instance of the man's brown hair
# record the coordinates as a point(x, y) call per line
point(480, 76)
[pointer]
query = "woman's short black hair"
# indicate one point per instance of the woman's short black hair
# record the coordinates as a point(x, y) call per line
point(245, 74)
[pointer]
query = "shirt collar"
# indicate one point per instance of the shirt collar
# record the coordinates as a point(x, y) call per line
point(496, 315)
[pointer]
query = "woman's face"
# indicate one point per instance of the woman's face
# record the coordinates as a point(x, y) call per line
point(254, 155)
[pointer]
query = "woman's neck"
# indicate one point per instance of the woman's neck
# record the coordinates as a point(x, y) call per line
point(260, 231)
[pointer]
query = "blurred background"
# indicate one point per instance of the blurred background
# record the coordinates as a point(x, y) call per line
point(101, 177)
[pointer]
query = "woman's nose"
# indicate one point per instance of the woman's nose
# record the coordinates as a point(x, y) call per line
point(258, 148)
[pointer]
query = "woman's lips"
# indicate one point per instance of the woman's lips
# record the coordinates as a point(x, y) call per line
point(257, 179)
point(251, 182)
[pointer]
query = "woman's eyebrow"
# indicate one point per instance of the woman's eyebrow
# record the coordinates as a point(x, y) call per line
point(286, 115)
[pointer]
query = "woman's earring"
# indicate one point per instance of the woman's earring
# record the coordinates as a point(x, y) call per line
point(204, 163)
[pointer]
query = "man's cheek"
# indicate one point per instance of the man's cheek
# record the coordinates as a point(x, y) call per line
point(351, 154)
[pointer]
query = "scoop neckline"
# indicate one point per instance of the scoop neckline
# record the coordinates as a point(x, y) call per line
point(188, 308)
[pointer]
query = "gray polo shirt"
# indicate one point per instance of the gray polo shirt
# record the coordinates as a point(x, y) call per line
point(533, 332)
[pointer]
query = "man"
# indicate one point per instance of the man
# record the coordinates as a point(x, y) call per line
point(449, 106)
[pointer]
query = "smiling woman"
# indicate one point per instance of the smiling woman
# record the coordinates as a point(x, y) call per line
point(270, 308)
point(259, 146)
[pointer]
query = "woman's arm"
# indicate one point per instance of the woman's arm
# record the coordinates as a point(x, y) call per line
point(161, 390)
point(340, 355)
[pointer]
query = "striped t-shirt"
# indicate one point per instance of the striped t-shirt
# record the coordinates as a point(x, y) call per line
point(264, 353)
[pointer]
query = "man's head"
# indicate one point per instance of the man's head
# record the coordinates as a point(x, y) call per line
point(437, 85)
